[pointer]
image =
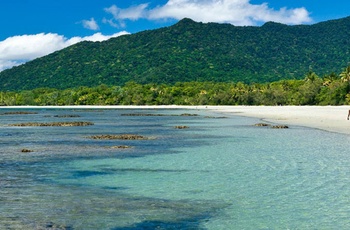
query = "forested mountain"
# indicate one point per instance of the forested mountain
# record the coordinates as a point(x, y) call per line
point(191, 51)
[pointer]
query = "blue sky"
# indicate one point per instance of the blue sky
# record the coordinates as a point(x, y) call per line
point(34, 28)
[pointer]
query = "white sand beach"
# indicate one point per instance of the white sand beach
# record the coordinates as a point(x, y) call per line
point(329, 118)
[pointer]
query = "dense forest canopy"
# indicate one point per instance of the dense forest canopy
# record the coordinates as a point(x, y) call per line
point(331, 89)
point(192, 52)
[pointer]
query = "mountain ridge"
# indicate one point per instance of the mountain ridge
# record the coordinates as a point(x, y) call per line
point(192, 51)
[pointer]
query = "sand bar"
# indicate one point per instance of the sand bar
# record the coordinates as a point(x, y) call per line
point(329, 118)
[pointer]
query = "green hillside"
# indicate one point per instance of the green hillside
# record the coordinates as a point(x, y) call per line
point(191, 51)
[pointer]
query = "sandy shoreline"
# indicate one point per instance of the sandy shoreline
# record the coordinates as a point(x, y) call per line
point(329, 118)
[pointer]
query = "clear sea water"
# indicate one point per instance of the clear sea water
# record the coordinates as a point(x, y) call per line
point(220, 173)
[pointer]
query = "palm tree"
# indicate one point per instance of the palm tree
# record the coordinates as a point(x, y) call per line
point(345, 76)
point(311, 76)
point(327, 80)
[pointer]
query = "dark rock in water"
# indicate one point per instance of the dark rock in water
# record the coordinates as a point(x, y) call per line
point(214, 117)
point(280, 127)
point(18, 113)
point(157, 115)
point(67, 115)
point(189, 115)
point(53, 226)
point(143, 115)
point(65, 124)
point(262, 124)
point(272, 126)
point(26, 151)
point(121, 147)
point(119, 137)
point(181, 127)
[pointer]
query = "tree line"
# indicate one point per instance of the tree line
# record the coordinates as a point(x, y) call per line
point(331, 89)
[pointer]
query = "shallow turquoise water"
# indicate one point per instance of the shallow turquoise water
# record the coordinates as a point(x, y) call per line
point(220, 173)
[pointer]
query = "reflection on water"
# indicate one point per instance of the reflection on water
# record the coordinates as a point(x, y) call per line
point(217, 174)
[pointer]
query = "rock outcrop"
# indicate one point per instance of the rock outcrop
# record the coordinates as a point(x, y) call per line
point(66, 124)
point(181, 127)
point(26, 151)
point(119, 137)
point(280, 127)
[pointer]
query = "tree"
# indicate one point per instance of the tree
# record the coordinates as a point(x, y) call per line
point(345, 76)
point(311, 76)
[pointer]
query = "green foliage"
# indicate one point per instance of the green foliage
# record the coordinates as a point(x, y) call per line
point(312, 90)
point(187, 52)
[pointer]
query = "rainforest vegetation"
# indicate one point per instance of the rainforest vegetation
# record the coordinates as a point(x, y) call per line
point(192, 52)
point(331, 89)
point(193, 63)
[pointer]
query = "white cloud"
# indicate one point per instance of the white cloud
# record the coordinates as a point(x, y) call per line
point(19, 49)
point(6, 64)
point(237, 12)
point(119, 15)
point(132, 13)
point(112, 23)
point(90, 24)
point(98, 37)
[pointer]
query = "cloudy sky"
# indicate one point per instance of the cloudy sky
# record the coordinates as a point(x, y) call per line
point(34, 28)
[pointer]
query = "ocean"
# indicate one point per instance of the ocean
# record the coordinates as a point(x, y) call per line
point(195, 169)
